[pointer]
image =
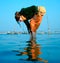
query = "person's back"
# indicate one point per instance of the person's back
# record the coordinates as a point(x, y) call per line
point(29, 12)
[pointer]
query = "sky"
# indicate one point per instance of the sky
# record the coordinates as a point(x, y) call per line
point(9, 7)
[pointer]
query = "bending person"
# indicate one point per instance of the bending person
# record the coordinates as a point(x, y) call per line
point(34, 14)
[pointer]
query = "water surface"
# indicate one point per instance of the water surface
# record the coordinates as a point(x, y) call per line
point(17, 49)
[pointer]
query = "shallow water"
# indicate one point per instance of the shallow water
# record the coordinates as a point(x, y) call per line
point(17, 49)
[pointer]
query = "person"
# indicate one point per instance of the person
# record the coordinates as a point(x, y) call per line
point(32, 17)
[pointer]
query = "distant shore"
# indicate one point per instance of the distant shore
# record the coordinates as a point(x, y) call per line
point(41, 32)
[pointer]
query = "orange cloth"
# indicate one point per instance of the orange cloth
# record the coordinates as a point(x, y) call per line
point(35, 22)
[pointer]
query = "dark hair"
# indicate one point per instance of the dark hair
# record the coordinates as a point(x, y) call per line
point(17, 16)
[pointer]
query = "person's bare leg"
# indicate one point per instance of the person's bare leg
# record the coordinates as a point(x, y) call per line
point(34, 24)
point(33, 36)
point(33, 29)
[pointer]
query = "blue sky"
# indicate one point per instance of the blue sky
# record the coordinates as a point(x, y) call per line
point(9, 7)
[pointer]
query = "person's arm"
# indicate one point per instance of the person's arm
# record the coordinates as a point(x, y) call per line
point(28, 26)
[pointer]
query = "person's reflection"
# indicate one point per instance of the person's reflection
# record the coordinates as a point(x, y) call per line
point(32, 51)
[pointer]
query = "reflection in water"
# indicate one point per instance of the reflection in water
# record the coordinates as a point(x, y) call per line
point(32, 51)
